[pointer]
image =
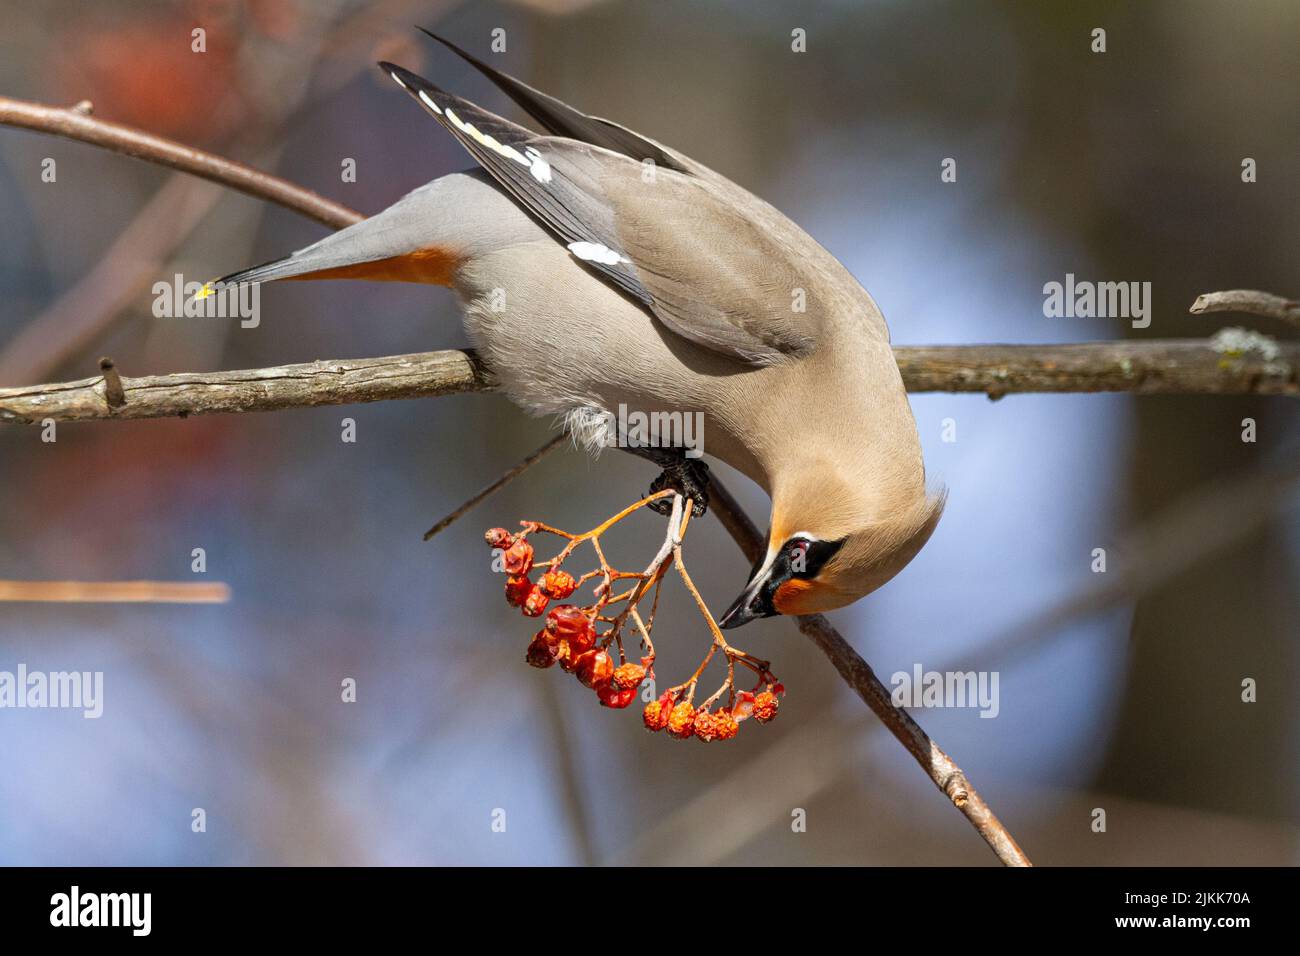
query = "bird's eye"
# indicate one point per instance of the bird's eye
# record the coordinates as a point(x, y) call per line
point(797, 552)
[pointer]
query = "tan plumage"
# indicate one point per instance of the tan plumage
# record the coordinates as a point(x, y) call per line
point(598, 269)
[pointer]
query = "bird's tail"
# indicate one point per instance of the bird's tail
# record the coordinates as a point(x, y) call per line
point(404, 243)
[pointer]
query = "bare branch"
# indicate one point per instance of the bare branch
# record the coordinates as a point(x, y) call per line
point(1165, 367)
point(115, 592)
point(939, 767)
point(327, 382)
point(77, 124)
point(1250, 301)
point(1160, 366)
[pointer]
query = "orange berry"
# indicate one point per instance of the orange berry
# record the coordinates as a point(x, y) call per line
point(656, 713)
point(765, 706)
point(681, 720)
point(725, 725)
point(705, 725)
point(629, 676)
point(540, 653)
point(518, 558)
point(497, 538)
point(535, 603)
point(558, 584)
point(518, 588)
point(594, 668)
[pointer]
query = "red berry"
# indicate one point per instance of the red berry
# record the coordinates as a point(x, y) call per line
point(558, 584)
point(572, 624)
point(611, 696)
point(594, 668)
point(540, 653)
point(535, 603)
point(681, 720)
point(497, 537)
point(517, 589)
point(518, 558)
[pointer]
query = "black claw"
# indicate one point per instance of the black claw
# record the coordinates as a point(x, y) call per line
point(690, 479)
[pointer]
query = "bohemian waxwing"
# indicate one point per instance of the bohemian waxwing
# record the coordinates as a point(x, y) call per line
point(600, 271)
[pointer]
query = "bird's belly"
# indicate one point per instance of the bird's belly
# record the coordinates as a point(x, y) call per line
point(563, 343)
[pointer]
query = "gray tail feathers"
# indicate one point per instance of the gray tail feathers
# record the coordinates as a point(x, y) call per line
point(340, 249)
point(267, 272)
point(420, 236)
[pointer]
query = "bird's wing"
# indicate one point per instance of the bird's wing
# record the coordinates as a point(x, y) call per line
point(670, 241)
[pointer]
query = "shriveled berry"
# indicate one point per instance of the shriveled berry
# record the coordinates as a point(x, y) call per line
point(765, 706)
point(535, 603)
point(705, 725)
point(558, 584)
point(611, 696)
point(566, 620)
point(540, 653)
point(594, 668)
point(725, 725)
point(656, 713)
point(629, 676)
point(573, 625)
point(681, 720)
point(497, 538)
point(518, 588)
point(518, 558)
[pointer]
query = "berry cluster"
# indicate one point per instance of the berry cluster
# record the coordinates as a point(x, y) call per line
point(587, 640)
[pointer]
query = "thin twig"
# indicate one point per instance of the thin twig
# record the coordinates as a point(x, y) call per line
point(84, 128)
point(115, 592)
point(1250, 301)
point(486, 492)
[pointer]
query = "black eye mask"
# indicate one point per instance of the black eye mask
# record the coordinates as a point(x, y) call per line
point(816, 554)
point(815, 557)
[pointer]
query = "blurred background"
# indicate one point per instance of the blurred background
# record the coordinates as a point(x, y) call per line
point(1119, 691)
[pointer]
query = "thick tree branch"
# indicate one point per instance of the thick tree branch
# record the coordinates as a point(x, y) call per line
point(1160, 366)
point(340, 382)
point(1167, 367)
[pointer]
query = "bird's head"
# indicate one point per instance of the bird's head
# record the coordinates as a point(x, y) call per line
point(828, 549)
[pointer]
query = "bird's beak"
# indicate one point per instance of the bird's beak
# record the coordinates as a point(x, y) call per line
point(748, 607)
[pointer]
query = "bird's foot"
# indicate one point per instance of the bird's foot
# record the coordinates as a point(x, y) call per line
point(689, 477)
